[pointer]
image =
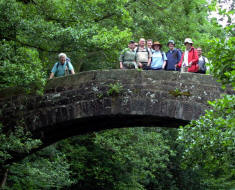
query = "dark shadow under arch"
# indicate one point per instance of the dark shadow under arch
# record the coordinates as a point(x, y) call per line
point(82, 126)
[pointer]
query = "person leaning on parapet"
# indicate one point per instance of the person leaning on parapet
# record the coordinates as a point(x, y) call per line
point(202, 61)
point(189, 59)
point(173, 56)
point(143, 55)
point(127, 57)
point(62, 67)
point(158, 57)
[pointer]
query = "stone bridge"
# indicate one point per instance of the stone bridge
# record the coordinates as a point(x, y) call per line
point(98, 100)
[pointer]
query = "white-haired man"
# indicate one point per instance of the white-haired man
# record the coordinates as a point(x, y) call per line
point(143, 55)
point(62, 67)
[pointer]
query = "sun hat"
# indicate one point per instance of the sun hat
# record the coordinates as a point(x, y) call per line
point(157, 43)
point(188, 40)
point(171, 41)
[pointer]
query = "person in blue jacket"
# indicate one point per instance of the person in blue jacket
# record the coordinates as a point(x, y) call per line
point(158, 57)
point(173, 56)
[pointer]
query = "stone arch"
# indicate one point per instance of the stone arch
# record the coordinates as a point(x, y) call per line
point(82, 103)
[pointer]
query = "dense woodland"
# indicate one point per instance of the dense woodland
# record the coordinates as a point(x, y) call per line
point(92, 33)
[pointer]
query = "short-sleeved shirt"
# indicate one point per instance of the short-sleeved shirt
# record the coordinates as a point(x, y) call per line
point(158, 59)
point(60, 69)
point(127, 55)
point(143, 54)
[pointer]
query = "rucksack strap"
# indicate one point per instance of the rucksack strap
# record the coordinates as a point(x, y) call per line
point(137, 50)
point(204, 60)
point(57, 65)
point(162, 56)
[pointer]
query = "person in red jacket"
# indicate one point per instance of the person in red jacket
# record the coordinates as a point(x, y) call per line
point(189, 59)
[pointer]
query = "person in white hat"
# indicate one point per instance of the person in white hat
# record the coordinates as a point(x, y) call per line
point(189, 59)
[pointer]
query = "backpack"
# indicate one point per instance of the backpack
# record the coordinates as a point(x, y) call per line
point(68, 59)
point(137, 50)
point(202, 65)
point(66, 65)
point(162, 55)
point(175, 55)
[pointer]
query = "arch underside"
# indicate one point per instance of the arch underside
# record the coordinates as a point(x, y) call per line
point(53, 133)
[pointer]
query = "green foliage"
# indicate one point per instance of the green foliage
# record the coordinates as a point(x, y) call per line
point(22, 69)
point(210, 146)
point(114, 89)
point(94, 32)
point(46, 170)
point(15, 141)
point(223, 60)
point(177, 93)
point(165, 19)
point(139, 69)
point(132, 158)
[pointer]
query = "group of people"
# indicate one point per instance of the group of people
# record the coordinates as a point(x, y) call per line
point(151, 57)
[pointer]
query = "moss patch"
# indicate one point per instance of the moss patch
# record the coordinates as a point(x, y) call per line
point(177, 93)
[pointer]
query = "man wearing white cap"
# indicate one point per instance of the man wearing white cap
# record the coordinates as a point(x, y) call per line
point(189, 59)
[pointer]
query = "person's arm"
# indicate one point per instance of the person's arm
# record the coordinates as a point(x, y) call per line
point(179, 55)
point(121, 65)
point(52, 75)
point(149, 61)
point(180, 63)
point(150, 56)
point(137, 60)
point(71, 68)
point(53, 71)
point(164, 65)
point(121, 58)
point(164, 62)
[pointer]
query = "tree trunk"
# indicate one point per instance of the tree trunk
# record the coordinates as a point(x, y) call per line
point(3, 177)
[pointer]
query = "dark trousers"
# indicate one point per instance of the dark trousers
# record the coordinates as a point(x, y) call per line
point(145, 66)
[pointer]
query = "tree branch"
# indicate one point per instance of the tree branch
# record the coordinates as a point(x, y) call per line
point(27, 1)
point(59, 20)
point(3, 177)
point(104, 17)
point(37, 47)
